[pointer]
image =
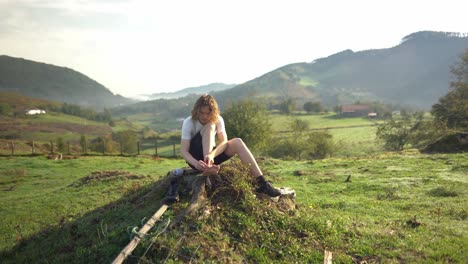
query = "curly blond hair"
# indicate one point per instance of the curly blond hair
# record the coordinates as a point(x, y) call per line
point(206, 100)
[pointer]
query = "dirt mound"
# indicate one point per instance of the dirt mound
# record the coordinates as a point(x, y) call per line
point(98, 176)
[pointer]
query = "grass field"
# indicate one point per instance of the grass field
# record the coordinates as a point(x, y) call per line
point(395, 208)
point(354, 136)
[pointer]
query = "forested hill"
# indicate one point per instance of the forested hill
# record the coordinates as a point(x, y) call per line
point(209, 88)
point(416, 72)
point(46, 81)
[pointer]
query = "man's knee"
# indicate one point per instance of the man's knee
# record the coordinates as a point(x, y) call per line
point(238, 142)
point(208, 128)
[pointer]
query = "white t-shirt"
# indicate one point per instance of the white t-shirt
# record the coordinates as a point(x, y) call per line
point(188, 131)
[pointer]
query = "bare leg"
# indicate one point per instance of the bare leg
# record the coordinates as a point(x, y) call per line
point(237, 146)
point(208, 133)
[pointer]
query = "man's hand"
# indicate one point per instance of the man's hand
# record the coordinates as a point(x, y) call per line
point(201, 166)
point(213, 170)
point(209, 160)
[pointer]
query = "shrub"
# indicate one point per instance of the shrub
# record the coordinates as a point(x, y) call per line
point(442, 191)
point(313, 145)
point(248, 120)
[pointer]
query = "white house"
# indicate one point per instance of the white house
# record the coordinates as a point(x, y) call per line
point(35, 112)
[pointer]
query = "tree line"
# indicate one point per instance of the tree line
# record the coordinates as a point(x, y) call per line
point(249, 121)
point(449, 122)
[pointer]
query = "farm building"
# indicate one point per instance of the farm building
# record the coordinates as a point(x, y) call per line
point(35, 112)
point(355, 110)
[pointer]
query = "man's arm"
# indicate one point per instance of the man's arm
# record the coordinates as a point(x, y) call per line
point(184, 151)
point(220, 148)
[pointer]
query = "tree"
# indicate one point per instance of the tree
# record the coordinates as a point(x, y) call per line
point(303, 143)
point(128, 141)
point(313, 107)
point(248, 120)
point(149, 133)
point(299, 126)
point(60, 145)
point(397, 133)
point(84, 144)
point(287, 106)
point(5, 109)
point(452, 109)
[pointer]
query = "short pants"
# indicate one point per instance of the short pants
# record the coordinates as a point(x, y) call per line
point(196, 150)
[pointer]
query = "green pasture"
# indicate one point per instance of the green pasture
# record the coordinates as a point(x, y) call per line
point(353, 136)
point(322, 121)
point(53, 117)
point(388, 208)
point(156, 122)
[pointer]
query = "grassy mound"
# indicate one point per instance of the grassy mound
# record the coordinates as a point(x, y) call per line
point(235, 226)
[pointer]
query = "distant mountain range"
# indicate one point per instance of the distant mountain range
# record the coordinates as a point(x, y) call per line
point(416, 73)
point(46, 81)
point(209, 88)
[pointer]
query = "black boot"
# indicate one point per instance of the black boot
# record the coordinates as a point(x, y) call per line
point(266, 188)
point(172, 196)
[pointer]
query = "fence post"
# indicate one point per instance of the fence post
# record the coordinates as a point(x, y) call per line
point(68, 147)
point(32, 147)
point(138, 147)
point(121, 148)
point(173, 149)
point(156, 147)
point(12, 145)
point(103, 147)
point(51, 147)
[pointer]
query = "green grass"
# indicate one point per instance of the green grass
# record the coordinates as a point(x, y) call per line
point(396, 208)
point(282, 122)
point(62, 118)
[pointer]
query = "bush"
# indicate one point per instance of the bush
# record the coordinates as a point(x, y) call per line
point(313, 145)
point(248, 120)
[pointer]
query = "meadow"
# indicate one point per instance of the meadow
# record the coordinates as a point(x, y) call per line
point(353, 136)
point(404, 207)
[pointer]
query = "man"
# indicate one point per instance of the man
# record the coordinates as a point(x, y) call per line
point(198, 144)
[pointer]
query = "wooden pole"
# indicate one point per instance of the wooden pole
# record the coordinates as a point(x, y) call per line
point(136, 240)
point(138, 147)
point(121, 148)
point(103, 147)
point(12, 145)
point(173, 150)
point(155, 147)
point(68, 148)
point(51, 147)
point(32, 147)
point(327, 257)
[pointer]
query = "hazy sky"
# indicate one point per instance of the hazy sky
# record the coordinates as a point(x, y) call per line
point(139, 47)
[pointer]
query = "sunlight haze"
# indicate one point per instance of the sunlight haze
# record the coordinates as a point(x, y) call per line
point(144, 47)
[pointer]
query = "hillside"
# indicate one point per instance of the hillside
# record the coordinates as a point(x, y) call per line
point(209, 88)
point(416, 72)
point(19, 103)
point(46, 81)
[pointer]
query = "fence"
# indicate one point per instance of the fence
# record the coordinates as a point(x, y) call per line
point(154, 147)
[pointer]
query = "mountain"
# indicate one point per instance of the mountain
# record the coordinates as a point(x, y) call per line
point(416, 72)
point(209, 88)
point(46, 81)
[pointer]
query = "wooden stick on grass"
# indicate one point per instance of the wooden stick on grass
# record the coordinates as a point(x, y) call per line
point(136, 240)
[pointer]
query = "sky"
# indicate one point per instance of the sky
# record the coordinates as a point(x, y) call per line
point(137, 47)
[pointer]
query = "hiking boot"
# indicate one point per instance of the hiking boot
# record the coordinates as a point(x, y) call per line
point(268, 189)
point(172, 195)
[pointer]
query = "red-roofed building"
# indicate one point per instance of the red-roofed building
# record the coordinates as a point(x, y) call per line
point(355, 110)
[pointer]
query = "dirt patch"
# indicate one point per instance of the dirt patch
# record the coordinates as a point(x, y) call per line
point(99, 176)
